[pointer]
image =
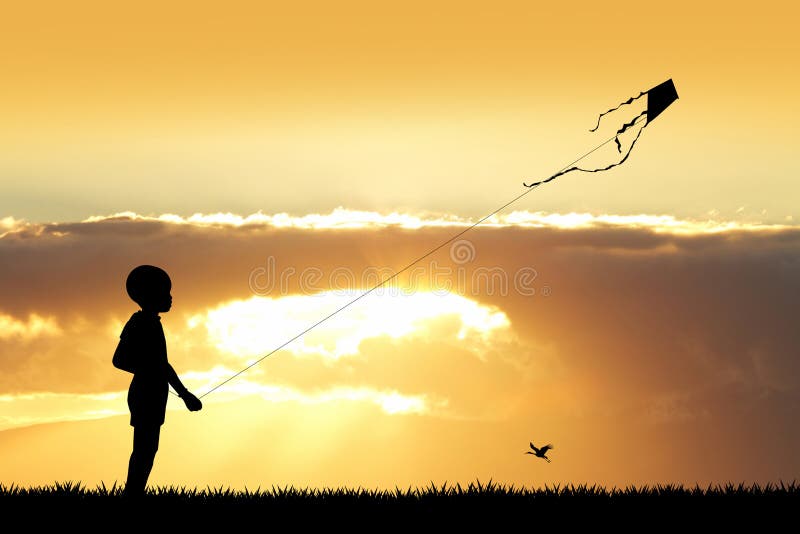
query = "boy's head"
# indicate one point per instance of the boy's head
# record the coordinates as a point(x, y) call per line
point(149, 287)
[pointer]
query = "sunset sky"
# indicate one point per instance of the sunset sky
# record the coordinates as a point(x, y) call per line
point(278, 158)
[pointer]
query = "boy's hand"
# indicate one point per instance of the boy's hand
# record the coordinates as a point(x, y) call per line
point(192, 402)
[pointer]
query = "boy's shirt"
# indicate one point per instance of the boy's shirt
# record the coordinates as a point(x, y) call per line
point(143, 346)
point(143, 352)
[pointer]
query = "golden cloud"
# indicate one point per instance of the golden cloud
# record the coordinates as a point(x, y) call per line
point(35, 326)
point(343, 219)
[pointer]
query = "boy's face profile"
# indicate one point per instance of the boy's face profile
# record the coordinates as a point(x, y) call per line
point(159, 300)
point(150, 288)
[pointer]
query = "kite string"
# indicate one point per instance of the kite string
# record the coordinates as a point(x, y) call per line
point(408, 266)
point(367, 292)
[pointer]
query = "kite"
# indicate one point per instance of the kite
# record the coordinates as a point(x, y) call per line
point(658, 99)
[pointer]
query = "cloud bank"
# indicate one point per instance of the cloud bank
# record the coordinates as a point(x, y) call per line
point(664, 335)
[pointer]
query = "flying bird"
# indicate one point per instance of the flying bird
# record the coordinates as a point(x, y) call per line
point(540, 453)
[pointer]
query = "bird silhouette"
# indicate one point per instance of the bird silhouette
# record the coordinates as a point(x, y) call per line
point(540, 453)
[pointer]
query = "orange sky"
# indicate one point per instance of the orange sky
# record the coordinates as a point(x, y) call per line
point(377, 106)
point(657, 343)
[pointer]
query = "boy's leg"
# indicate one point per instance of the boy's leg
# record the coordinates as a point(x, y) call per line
point(145, 446)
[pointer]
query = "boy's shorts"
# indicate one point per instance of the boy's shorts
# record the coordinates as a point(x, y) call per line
point(147, 401)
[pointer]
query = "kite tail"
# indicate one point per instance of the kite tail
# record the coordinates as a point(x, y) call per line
point(620, 162)
point(625, 128)
point(629, 101)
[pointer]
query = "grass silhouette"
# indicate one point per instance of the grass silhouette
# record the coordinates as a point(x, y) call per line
point(446, 506)
point(445, 492)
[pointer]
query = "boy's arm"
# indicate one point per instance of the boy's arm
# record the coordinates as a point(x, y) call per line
point(192, 402)
point(126, 356)
point(123, 357)
point(175, 382)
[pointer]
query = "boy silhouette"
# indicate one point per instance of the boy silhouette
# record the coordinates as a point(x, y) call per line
point(142, 350)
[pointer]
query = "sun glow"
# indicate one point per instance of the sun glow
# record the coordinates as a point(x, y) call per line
point(390, 401)
point(252, 327)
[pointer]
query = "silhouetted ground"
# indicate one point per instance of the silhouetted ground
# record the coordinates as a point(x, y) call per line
point(487, 506)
